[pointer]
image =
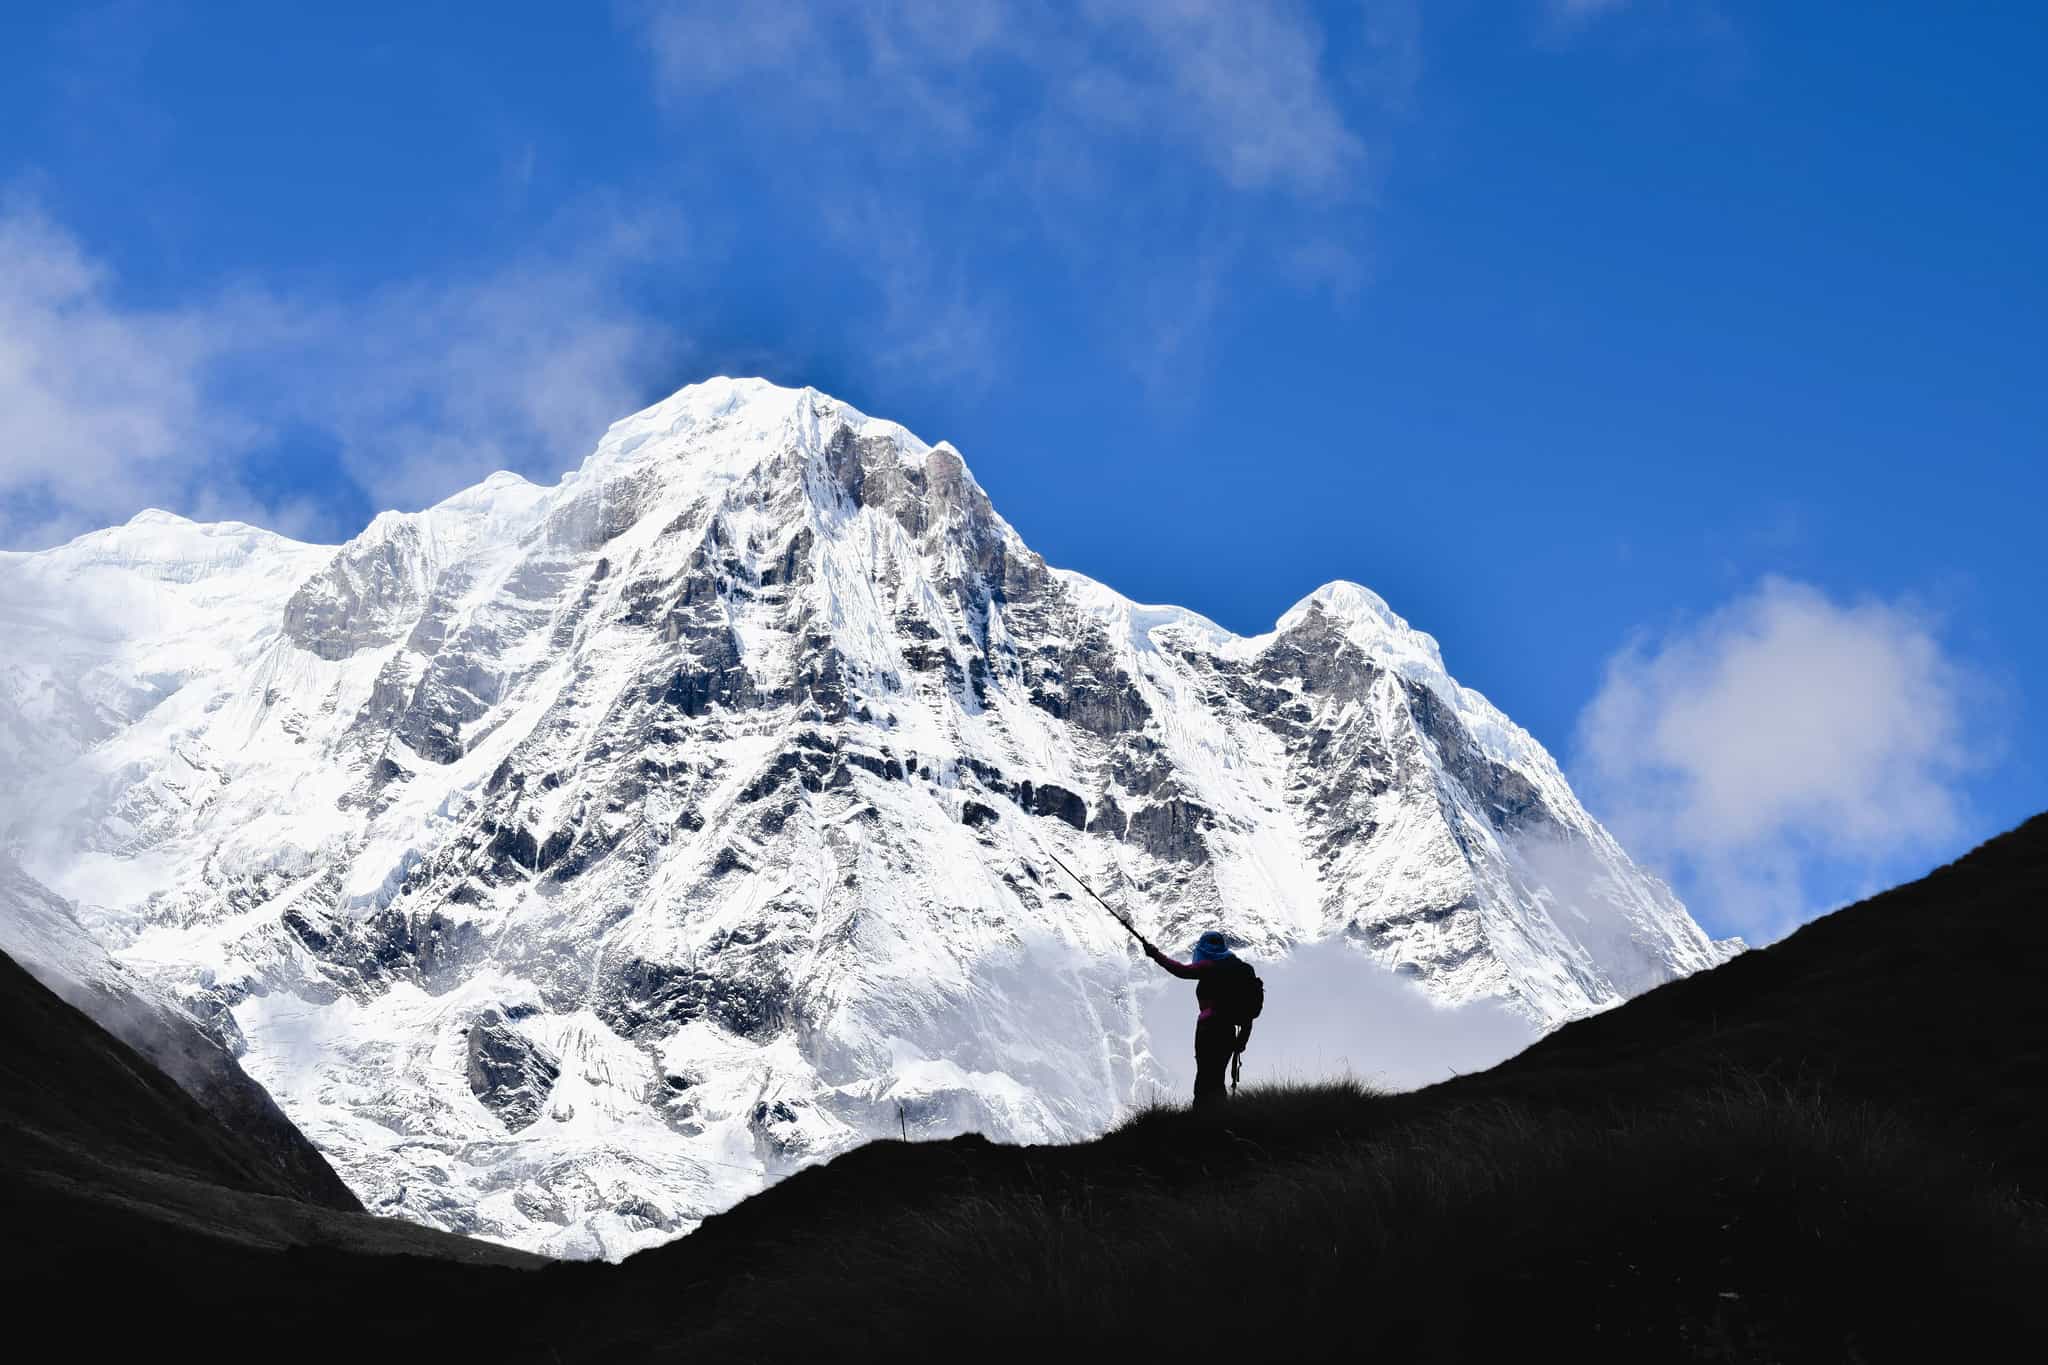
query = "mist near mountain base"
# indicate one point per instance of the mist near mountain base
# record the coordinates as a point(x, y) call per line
point(1333, 1012)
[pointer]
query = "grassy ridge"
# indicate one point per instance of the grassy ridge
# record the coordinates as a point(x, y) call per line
point(1740, 1223)
point(1831, 1149)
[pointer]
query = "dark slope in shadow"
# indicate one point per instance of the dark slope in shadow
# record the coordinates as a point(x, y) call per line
point(114, 1176)
point(39, 931)
point(1927, 999)
point(1831, 1149)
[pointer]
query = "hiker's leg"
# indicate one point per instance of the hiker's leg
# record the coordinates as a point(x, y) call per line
point(1214, 1040)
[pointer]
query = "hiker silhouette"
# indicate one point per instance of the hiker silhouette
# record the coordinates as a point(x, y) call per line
point(1229, 996)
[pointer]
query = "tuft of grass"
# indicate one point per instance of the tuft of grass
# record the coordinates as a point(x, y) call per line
point(1290, 1100)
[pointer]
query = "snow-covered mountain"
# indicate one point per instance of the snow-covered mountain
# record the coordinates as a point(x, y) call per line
point(575, 859)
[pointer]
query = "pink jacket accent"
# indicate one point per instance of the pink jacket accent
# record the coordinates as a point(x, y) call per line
point(1187, 971)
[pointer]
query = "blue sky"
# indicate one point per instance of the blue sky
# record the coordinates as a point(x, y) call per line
point(1679, 365)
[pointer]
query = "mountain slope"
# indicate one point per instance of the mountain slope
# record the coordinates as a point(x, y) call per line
point(574, 860)
point(1924, 1000)
point(1761, 1162)
point(38, 932)
point(104, 1153)
point(1865, 1145)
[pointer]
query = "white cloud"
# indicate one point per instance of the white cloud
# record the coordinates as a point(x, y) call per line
point(430, 386)
point(102, 408)
point(106, 407)
point(1783, 734)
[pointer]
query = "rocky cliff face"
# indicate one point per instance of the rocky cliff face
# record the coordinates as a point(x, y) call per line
point(574, 859)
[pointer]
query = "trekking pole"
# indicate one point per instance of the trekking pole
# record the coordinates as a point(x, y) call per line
point(1098, 900)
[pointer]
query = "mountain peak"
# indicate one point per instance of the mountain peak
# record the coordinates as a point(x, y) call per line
point(157, 516)
point(1346, 601)
point(1364, 617)
point(165, 547)
point(725, 426)
point(701, 804)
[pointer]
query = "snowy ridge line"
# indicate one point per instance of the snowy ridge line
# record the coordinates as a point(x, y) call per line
point(576, 859)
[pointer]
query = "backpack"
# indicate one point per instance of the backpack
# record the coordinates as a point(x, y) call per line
point(1245, 995)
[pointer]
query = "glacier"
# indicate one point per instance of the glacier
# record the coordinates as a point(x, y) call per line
point(571, 861)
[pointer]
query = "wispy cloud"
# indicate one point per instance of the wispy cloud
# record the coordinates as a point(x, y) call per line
point(1784, 734)
point(1243, 86)
point(107, 407)
point(429, 386)
point(1130, 137)
point(1696, 38)
point(933, 322)
point(101, 407)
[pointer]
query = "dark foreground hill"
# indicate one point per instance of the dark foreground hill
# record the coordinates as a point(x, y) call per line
point(108, 1163)
point(1832, 1149)
point(40, 932)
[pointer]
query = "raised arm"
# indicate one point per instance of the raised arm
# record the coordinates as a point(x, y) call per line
point(1187, 971)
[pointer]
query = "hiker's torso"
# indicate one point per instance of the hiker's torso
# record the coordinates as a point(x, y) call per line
point(1217, 988)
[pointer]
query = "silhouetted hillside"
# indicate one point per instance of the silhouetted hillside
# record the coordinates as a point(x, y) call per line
point(107, 1158)
point(1927, 1000)
point(40, 931)
point(1831, 1149)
